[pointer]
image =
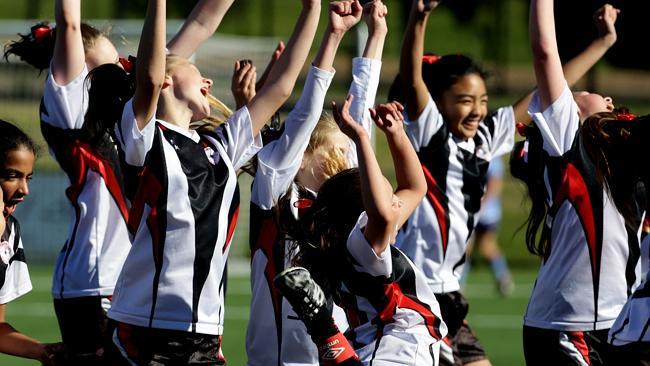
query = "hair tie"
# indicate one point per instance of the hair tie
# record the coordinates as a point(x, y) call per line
point(127, 64)
point(626, 117)
point(303, 205)
point(430, 59)
point(521, 129)
point(41, 32)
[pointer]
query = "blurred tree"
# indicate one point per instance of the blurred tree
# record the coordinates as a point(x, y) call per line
point(136, 8)
point(32, 9)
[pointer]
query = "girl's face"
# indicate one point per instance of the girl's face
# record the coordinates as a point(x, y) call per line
point(464, 105)
point(591, 103)
point(15, 175)
point(325, 161)
point(191, 88)
point(102, 52)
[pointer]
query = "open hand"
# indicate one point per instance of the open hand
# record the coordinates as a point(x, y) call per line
point(344, 15)
point(388, 117)
point(243, 83)
point(53, 354)
point(347, 124)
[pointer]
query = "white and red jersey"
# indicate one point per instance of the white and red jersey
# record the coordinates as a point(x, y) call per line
point(387, 299)
point(436, 234)
point(276, 336)
point(98, 238)
point(14, 276)
point(183, 216)
point(591, 264)
point(633, 323)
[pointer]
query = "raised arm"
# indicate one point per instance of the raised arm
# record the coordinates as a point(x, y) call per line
point(201, 24)
point(299, 124)
point(546, 58)
point(577, 67)
point(411, 185)
point(376, 192)
point(282, 77)
point(416, 93)
point(150, 65)
point(69, 58)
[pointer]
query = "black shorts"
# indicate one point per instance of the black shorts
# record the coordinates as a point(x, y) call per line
point(86, 331)
point(460, 346)
point(579, 348)
point(159, 347)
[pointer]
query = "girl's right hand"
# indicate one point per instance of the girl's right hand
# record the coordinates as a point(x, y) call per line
point(344, 15)
point(374, 14)
point(346, 123)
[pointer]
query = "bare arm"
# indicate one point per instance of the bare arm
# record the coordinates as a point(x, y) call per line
point(14, 343)
point(201, 24)
point(411, 185)
point(578, 66)
point(150, 66)
point(416, 93)
point(274, 58)
point(283, 76)
point(69, 58)
point(377, 192)
point(375, 16)
point(546, 58)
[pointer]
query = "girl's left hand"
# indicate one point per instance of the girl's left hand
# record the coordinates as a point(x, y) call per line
point(347, 124)
point(605, 19)
point(389, 117)
point(374, 14)
point(243, 83)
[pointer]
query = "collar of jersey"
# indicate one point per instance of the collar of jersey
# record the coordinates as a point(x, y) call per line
point(191, 134)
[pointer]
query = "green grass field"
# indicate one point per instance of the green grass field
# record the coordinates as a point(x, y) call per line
point(496, 320)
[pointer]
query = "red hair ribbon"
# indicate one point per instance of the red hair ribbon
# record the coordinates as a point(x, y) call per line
point(303, 204)
point(626, 117)
point(41, 32)
point(430, 59)
point(127, 64)
point(521, 129)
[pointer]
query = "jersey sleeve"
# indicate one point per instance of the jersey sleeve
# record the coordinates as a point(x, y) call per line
point(134, 142)
point(421, 130)
point(365, 258)
point(499, 131)
point(365, 81)
point(237, 137)
point(558, 123)
point(15, 275)
point(279, 161)
point(64, 106)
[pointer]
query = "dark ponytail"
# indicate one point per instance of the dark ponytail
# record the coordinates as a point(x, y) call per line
point(36, 48)
point(527, 164)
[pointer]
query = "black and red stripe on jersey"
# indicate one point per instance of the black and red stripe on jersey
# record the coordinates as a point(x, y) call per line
point(373, 302)
point(591, 260)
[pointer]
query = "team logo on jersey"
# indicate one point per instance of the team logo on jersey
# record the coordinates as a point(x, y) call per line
point(6, 252)
point(333, 353)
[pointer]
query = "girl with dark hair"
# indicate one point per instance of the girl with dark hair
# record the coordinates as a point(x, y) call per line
point(394, 316)
point(84, 96)
point(612, 141)
point(17, 155)
point(169, 298)
point(455, 138)
point(589, 251)
point(290, 172)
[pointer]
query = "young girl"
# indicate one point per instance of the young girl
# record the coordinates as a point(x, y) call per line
point(590, 254)
point(169, 298)
point(287, 178)
point(610, 140)
point(83, 145)
point(394, 317)
point(17, 156)
point(455, 137)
